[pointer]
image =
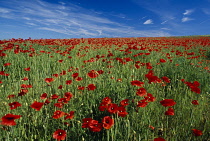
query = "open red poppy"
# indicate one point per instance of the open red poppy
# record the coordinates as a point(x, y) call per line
point(8, 119)
point(37, 105)
point(14, 105)
point(48, 80)
point(168, 102)
point(59, 134)
point(108, 122)
point(137, 83)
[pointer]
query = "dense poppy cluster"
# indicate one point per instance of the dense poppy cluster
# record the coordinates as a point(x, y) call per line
point(193, 86)
point(132, 53)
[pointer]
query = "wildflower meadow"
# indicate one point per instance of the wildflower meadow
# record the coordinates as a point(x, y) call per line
point(105, 89)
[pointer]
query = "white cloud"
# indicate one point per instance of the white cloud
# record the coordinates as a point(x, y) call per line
point(185, 19)
point(206, 11)
point(164, 22)
point(26, 18)
point(31, 24)
point(165, 28)
point(188, 12)
point(144, 17)
point(73, 20)
point(4, 10)
point(148, 21)
point(100, 32)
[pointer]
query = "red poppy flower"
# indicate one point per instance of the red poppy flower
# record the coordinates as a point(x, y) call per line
point(25, 78)
point(118, 80)
point(150, 76)
point(137, 83)
point(4, 74)
point(27, 69)
point(43, 96)
point(148, 64)
point(75, 75)
point(80, 88)
point(79, 79)
point(95, 126)
point(46, 102)
point(85, 123)
point(170, 111)
point(68, 82)
point(1, 82)
point(60, 87)
point(8, 119)
point(60, 61)
point(59, 105)
point(68, 95)
point(195, 102)
point(63, 100)
point(112, 108)
point(3, 54)
point(93, 74)
point(107, 100)
point(137, 66)
point(26, 86)
point(142, 103)
point(121, 111)
point(159, 139)
point(124, 102)
point(154, 79)
point(58, 114)
point(195, 89)
point(54, 96)
point(100, 72)
point(63, 73)
point(37, 105)
point(48, 80)
point(59, 134)
point(194, 86)
point(166, 79)
point(55, 75)
point(162, 60)
point(108, 122)
point(103, 106)
point(10, 96)
point(168, 102)
point(196, 83)
point(197, 132)
point(151, 127)
point(149, 98)
point(70, 115)
point(14, 105)
point(91, 87)
point(7, 64)
point(22, 92)
point(141, 92)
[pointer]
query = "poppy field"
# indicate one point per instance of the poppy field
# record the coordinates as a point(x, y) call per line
point(105, 89)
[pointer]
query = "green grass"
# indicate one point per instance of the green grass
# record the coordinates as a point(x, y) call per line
point(40, 126)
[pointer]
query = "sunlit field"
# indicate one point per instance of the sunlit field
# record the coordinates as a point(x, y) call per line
point(105, 89)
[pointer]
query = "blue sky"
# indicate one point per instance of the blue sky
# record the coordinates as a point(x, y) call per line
point(103, 18)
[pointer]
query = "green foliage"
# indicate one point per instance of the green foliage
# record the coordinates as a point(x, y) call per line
point(115, 83)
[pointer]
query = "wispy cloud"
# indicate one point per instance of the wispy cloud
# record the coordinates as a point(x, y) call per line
point(186, 19)
point(162, 8)
point(69, 19)
point(149, 21)
point(164, 22)
point(31, 24)
point(188, 12)
point(4, 10)
point(206, 11)
point(165, 28)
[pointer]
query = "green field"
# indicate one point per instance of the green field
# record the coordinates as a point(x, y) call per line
point(72, 84)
